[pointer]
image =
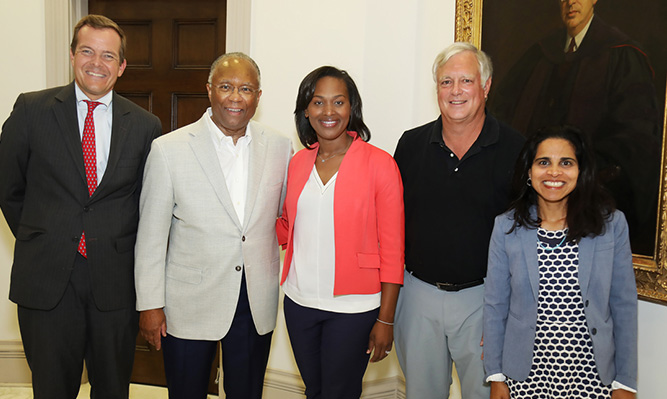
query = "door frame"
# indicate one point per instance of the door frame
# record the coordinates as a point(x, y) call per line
point(60, 16)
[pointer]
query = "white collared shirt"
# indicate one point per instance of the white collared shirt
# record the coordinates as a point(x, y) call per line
point(233, 163)
point(102, 117)
point(578, 38)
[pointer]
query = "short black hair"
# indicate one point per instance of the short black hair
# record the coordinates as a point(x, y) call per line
point(307, 134)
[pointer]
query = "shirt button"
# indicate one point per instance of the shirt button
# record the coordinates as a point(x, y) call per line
point(594, 331)
point(243, 238)
point(456, 169)
point(586, 304)
point(451, 155)
point(237, 268)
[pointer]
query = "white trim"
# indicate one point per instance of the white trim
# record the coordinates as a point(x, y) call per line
point(238, 26)
point(278, 384)
point(13, 366)
point(58, 31)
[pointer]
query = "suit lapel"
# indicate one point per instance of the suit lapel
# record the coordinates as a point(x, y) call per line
point(529, 247)
point(256, 162)
point(119, 131)
point(204, 151)
point(586, 251)
point(66, 116)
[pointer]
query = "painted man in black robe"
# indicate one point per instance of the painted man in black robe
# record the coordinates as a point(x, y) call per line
point(592, 76)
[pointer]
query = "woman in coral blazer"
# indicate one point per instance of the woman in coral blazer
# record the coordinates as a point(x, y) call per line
point(343, 228)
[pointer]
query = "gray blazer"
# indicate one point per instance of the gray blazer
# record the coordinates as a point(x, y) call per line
point(192, 249)
point(608, 290)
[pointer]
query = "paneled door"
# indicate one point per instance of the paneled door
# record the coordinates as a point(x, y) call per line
point(170, 47)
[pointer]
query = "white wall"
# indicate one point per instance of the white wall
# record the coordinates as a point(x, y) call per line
point(387, 46)
point(23, 69)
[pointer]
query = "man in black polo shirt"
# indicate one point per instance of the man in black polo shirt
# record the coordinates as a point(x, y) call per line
point(456, 173)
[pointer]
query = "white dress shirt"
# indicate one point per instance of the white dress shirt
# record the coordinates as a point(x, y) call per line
point(102, 117)
point(578, 38)
point(233, 163)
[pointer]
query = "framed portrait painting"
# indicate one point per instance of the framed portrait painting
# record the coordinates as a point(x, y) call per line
point(610, 82)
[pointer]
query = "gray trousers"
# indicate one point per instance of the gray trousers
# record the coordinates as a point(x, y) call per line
point(434, 328)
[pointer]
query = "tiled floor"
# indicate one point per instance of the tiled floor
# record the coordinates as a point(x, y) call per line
point(136, 392)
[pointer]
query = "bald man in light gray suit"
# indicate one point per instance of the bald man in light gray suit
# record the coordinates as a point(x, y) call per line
point(207, 258)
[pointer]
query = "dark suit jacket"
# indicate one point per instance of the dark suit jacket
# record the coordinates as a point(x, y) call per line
point(44, 198)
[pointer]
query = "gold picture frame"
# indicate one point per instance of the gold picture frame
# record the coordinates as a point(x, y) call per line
point(650, 271)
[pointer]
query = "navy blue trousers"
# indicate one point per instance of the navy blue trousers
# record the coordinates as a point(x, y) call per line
point(330, 349)
point(245, 353)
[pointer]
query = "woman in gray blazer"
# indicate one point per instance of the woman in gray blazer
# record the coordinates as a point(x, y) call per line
point(560, 312)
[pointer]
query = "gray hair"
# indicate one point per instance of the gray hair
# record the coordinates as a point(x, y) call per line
point(238, 55)
point(483, 60)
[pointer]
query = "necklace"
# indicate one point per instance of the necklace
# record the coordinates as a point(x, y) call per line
point(326, 159)
point(546, 248)
point(336, 154)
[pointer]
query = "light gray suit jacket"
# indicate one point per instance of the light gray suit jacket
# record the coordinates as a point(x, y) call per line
point(608, 290)
point(192, 248)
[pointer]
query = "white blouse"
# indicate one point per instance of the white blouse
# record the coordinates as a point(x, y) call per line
point(310, 281)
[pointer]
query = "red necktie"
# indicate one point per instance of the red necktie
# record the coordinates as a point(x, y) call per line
point(89, 160)
point(570, 48)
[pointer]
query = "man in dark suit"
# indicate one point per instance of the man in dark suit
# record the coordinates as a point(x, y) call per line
point(71, 164)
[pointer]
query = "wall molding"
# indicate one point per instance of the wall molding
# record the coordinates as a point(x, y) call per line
point(238, 26)
point(14, 368)
point(278, 384)
point(285, 385)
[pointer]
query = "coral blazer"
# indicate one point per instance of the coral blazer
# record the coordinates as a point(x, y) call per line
point(368, 217)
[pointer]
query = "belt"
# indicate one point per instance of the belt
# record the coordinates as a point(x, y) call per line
point(450, 287)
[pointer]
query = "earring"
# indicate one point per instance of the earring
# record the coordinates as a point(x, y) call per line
point(529, 182)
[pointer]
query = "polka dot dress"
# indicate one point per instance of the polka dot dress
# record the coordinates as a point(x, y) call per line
point(563, 363)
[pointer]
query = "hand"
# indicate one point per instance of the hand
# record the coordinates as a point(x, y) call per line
point(153, 326)
point(481, 343)
point(622, 394)
point(499, 390)
point(380, 341)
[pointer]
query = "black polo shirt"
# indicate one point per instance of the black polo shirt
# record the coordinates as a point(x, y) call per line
point(450, 203)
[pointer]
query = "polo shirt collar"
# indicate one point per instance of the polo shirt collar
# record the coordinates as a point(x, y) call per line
point(490, 132)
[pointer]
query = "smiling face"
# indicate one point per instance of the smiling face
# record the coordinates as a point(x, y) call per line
point(329, 110)
point(233, 108)
point(554, 172)
point(576, 14)
point(96, 61)
point(461, 92)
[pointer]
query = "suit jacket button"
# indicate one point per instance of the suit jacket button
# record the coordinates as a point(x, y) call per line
point(238, 268)
point(243, 238)
point(586, 304)
point(76, 239)
point(86, 209)
point(594, 331)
